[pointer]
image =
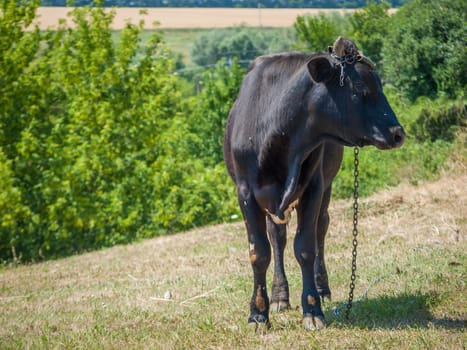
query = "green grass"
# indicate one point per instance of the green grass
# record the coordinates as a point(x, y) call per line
point(180, 41)
point(191, 290)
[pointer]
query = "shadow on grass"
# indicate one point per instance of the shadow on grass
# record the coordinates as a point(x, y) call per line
point(396, 312)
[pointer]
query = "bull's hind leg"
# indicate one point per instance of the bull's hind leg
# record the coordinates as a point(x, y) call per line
point(321, 275)
point(280, 286)
point(260, 253)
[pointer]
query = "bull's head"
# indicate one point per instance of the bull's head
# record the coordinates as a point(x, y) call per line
point(348, 93)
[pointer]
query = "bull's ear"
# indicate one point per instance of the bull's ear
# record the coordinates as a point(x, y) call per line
point(320, 68)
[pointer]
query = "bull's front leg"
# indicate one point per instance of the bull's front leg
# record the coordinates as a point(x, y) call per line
point(306, 248)
point(260, 253)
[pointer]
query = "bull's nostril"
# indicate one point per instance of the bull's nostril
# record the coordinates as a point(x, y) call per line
point(398, 135)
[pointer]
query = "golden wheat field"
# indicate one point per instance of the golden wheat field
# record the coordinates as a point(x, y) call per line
point(48, 17)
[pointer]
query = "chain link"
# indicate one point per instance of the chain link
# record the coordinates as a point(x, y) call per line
point(342, 76)
point(354, 233)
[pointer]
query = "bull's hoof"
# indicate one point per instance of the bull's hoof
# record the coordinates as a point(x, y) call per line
point(259, 328)
point(258, 324)
point(313, 323)
point(279, 306)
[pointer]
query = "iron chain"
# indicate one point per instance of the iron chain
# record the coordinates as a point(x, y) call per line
point(354, 233)
point(342, 76)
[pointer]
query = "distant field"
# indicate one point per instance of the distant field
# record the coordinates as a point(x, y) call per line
point(190, 17)
point(179, 40)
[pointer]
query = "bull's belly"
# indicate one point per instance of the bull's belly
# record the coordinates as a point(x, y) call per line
point(269, 194)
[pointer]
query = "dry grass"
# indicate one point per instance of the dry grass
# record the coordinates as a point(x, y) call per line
point(191, 17)
point(191, 290)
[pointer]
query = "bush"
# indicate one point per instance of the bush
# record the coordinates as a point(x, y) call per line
point(191, 179)
point(215, 45)
point(82, 133)
point(243, 43)
point(369, 26)
point(423, 53)
point(97, 148)
point(317, 33)
point(439, 123)
point(211, 107)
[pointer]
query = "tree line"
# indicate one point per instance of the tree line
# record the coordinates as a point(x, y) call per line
point(224, 3)
point(103, 143)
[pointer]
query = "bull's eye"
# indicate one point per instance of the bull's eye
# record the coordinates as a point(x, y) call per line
point(359, 86)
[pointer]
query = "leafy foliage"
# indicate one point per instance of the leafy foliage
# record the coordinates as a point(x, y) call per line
point(191, 179)
point(439, 122)
point(211, 108)
point(189, 193)
point(366, 26)
point(424, 51)
point(240, 42)
point(316, 33)
point(18, 50)
point(369, 27)
point(96, 147)
point(83, 145)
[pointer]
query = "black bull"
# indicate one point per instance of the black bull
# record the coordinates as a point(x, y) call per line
point(283, 147)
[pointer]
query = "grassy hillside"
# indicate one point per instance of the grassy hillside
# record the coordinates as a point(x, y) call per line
point(191, 290)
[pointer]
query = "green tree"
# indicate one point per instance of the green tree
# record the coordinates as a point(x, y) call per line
point(315, 33)
point(11, 209)
point(189, 192)
point(217, 44)
point(219, 88)
point(240, 42)
point(81, 124)
point(192, 184)
point(19, 98)
point(96, 145)
point(18, 50)
point(439, 120)
point(369, 27)
point(424, 52)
